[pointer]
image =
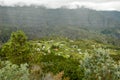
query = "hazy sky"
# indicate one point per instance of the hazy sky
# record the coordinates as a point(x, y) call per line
point(94, 4)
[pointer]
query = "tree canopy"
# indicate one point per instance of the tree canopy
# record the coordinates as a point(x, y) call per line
point(17, 48)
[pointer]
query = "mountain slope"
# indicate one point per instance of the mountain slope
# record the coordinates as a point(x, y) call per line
point(81, 17)
point(39, 22)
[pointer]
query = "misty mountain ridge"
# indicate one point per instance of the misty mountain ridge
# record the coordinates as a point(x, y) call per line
point(81, 17)
point(76, 23)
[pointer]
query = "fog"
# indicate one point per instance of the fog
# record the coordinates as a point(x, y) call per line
point(93, 4)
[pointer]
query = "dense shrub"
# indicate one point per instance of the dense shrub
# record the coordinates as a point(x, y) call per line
point(100, 66)
point(57, 60)
point(17, 48)
point(56, 64)
point(9, 71)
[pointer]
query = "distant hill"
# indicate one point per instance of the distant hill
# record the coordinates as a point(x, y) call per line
point(77, 23)
point(39, 16)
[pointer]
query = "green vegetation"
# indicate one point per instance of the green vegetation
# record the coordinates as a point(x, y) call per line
point(17, 48)
point(9, 71)
point(62, 44)
point(58, 58)
point(81, 23)
point(100, 66)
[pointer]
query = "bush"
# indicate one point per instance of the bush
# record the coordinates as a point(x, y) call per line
point(9, 71)
point(56, 64)
point(17, 48)
point(100, 66)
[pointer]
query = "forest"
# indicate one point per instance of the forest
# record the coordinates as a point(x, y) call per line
point(81, 23)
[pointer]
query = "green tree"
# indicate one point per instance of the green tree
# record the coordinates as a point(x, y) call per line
point(17, 48)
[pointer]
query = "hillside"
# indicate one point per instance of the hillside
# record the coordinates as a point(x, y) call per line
point(59, 40)
point(80, 23)
point(41, 16)
point(58, 59)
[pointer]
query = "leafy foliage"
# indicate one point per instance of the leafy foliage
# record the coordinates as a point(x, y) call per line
point(17, 48)
point(57, 64)
point(59, 59)
point(9, 71)
point(100, 66)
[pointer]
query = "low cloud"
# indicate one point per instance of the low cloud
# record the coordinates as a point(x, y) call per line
point(94, 4)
